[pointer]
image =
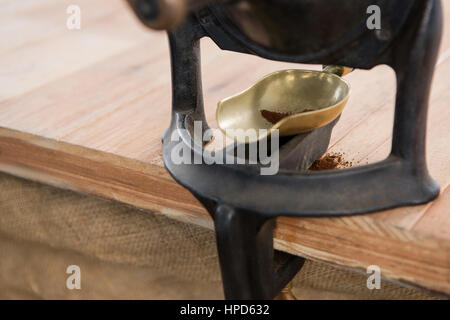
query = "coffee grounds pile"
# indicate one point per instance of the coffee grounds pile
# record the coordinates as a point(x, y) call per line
point(273, 116)
point(330, 161)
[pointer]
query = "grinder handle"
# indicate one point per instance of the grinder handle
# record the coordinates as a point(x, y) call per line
point(165, 14)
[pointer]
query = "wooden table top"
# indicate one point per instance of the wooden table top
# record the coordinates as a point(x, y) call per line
point(85, 110)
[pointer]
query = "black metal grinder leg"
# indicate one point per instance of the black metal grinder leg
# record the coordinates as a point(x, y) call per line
point(245, 245)
point(244, 203)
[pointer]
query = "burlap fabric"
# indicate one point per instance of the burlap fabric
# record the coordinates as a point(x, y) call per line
point(125, 252)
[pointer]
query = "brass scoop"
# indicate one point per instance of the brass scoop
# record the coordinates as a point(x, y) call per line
point(292, 101)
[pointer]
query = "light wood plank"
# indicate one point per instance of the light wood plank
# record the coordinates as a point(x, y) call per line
point(26, 22)
point(31, 66)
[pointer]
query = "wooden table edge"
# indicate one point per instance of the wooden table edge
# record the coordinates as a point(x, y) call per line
point(148, 186)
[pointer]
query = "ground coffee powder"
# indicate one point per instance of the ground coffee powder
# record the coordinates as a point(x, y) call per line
point(273, 116)
point(330, 161)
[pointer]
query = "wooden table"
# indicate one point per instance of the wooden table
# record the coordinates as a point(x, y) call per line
point(85, 110)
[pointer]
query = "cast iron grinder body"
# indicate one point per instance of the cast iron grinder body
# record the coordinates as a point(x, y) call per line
point(244, 203)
